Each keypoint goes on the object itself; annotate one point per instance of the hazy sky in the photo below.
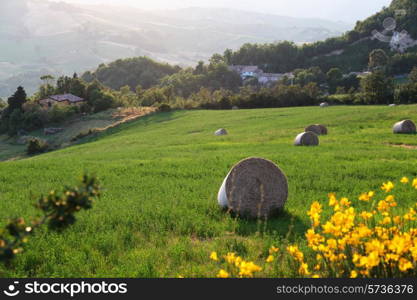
(343, 10)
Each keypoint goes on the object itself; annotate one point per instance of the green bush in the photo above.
(164, 107)
(36, 146)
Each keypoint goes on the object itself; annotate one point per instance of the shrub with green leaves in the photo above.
(36, 146)
(58, 213)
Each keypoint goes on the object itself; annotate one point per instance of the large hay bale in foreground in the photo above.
(307, 139)
(317, 129)
(406, 126)
(254, 188)
(221, 132)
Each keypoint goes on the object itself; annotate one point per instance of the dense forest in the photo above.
(132, 72)
(348, 52)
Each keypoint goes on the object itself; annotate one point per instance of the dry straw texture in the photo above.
(307, 139)
(254, 188)
(406, 126)
(220, 132)
(317, 129)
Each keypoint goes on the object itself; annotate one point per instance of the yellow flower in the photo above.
(273, 250)
(296, 253)
(238, 261)
(315, 276)
(383, 206)
(353, 274)
(332, 244)
(405, 180)
(414, 184)
(223, 274)
(375, 246)
(230, 257)
(366, 196)
(345, 202)
(411, 215)
(413, 251)
(387, 187)
(404, 265)
(270, 259)
(397, 220)
(332, 200)
(213, 256)
(303, 270)
(314, 213)
(386, 221)
(246, 269)
(366, 215)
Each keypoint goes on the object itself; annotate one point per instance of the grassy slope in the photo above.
(159, 217)
(11, 150)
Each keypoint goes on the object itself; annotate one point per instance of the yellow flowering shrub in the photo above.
(377, 242)
(237, 267)
(344, 241)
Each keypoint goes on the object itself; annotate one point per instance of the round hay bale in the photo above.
(324, 104)
(254, 188)
(317, 129)
(307, 139)
(235, 108)
(392, 105)
(406, 126)
(323, 128)
(221, 132)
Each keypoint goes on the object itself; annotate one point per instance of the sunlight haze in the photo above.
(338, 10)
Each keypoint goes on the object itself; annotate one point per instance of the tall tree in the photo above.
(17, 100)
(377, 59)
(413, 75)
(334, 78)
(378, 88)
(47, 79)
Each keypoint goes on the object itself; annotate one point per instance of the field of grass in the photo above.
(158, 216)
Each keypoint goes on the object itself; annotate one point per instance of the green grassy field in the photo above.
(158, 216)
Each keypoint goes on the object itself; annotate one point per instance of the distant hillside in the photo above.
(39, 37)
(393, 29)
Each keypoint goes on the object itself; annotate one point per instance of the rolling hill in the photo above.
(159, 217)
(42, 37)
(392, 29)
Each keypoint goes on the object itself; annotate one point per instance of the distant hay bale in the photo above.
(406, 126)
(307, 139)
(313, 128)
(235, 108)
(254, 188)
(324, 130)
(392, 105)
(317, 129)
(221, 132)
(324, 104)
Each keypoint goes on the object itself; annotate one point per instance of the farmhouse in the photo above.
(254, 71)
(65, 99)
(246, 71)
